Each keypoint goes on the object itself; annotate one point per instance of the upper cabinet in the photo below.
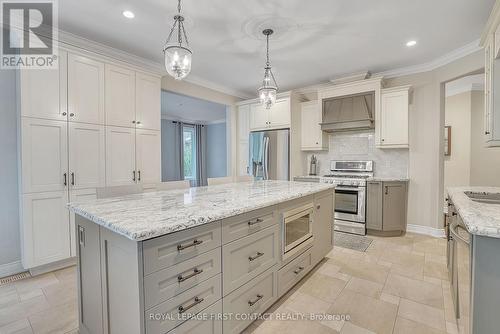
(312, 137)
(392, 123)
(85, 90)
(277, 117)
(120, 96)
(490, 40)
(147, 101)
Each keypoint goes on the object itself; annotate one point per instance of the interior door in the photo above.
(85, 90)
(45, 228)
(148, 156)
(120, 156)
(44, 155)
(44, 92)
(120, 96)
(87, 165)
(148, 101)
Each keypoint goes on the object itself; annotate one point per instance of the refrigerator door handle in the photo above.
(266, 158)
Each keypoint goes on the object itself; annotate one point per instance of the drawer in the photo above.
(294, 271)
(168, 315)
(240, 226)
(252, 298)
(205, 322)
(169, 282)
(247, 257)
(173, 248)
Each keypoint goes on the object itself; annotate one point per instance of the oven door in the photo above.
(297, 227)
(350, 203)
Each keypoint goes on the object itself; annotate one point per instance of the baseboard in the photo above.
(52, 266)
(12, 268)
(426, 230)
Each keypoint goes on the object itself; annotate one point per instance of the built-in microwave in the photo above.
(297, 227)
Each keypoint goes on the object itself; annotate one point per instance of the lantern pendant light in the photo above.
(178, 56)
(269, 88)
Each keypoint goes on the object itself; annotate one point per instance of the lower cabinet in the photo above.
(293, 272)
(206, 322)
(386, 206)
(322, 226)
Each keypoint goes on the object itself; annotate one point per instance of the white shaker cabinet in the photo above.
(148, 101)
(243, 139)
(392, 123)
(120, 96)
(86, 156)
(148, 161)
(277, 117)
(120, 156)
(85, 90)
(44, 92)
(45, 228)
(44, 156)
(312, 137)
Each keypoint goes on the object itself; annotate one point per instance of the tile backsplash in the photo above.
(360, 145)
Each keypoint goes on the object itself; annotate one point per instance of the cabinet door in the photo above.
(87, 166)
(148, 101)
(258, 117)
(77, 196)
(488, 97)
(311, 133)
(45, 228)
(279, 114)
(44, 92)
(120, 96)
(120, 156)
(44, 155)
(394, 208)
(243, 122)
(148, 144)
(85, 90)
(374, 204)
(243, 163)
(394, 119)
(322, 227)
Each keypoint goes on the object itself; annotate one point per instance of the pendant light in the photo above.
(269, 88)
(178, 56)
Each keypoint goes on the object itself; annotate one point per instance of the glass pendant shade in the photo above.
(268, 90)
(178, 61)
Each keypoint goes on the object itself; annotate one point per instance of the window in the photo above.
(189, 147)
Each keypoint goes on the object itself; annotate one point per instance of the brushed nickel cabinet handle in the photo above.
(256, 221)
(255, 257)
(194, 243)
(139, 176)
(253, 302)
(197, 300)
(386, 190)
(81, 235)
(195, 272)
(133, 175)
(65, 177)
(298, 270)
(72, 179)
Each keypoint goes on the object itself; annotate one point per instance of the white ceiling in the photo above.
(190, 109)
(314, 40)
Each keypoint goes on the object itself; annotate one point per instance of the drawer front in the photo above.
(205, 322)
(171, 313)
(170, 282)
(293, 272)
(246, 258)
(252, 298)
(240, 226)
(171, 249)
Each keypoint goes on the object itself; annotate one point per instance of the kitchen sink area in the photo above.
(484, 197)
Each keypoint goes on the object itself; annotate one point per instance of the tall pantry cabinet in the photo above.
(67, 119)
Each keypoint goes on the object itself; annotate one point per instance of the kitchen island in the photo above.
(201, 260)
(473, 230)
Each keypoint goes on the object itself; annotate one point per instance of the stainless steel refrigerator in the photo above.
(270, 154)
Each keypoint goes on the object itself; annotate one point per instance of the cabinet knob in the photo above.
(133, 122)
(317, 143)
(486, 132)
(386, 190)
(138, 122)
(64, 113)
(383, 139)
(71, 114)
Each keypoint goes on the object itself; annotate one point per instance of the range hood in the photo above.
(347, 113)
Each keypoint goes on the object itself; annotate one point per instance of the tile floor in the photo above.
(399, 285)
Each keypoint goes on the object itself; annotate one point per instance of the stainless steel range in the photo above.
(349, 178)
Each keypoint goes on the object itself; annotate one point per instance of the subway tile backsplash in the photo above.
(360, 145)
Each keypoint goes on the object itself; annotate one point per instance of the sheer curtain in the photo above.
(201, 155)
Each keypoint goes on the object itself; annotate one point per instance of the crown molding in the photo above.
(434, 64)
(214, 86)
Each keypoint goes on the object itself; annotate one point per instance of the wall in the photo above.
(9, 196)
(170, 167)
(457, 166)
(360, 145)
(216, 150)
(485, 165)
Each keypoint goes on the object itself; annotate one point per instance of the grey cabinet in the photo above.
(386, 206)
(322, 226)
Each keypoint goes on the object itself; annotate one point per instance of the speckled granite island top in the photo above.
(479, 218)
(148, 215)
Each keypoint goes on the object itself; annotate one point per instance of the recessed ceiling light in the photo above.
(411, 43)
(128, 14)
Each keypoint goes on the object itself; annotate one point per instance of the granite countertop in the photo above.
(479, 218)
(148, 215)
